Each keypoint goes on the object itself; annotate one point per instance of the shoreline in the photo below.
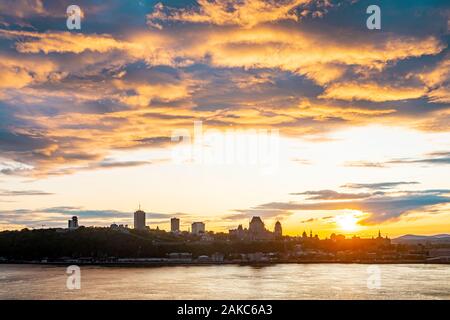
(197, 264)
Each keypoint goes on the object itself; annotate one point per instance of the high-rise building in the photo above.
(278, 231)
(175, 225)
(139, 220)
(198, 227)
(73, 223)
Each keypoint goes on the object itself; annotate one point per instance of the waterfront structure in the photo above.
(217, 257)
(73, 223)
(175, 225)
(198, 227)
(139, 220)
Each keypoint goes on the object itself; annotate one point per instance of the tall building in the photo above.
(256, 229)
(278, 231)
(139, 220)
(73, 223)
(198, 227)
(175, 225)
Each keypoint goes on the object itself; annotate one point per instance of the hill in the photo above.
(416, 239)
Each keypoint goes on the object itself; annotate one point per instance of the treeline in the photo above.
(105, 243)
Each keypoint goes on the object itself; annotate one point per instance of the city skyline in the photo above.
(255, 226)
(356, 120)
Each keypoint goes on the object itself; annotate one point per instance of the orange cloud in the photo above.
(63, 42)
(441, 94)
(322, 58)
(17, 73)
(145, 93)
(246, 13)
(371, 92)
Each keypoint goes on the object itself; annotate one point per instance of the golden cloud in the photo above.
(246, 13)
(371, 92)
(63, 42)
(17, 73)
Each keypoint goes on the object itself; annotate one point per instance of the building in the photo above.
(73, 223)
(119, 227)
(179, 257)
(278, 230)
(175, 225)
(239, 233)
(139, 220)
(217, 257)
(256, 226)
(382, 241)
(257, 230)
(198, 227)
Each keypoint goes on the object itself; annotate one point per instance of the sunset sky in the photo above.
(87, 116)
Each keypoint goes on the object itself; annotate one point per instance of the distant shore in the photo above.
(195, 263)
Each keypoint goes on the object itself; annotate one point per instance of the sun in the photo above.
(347, 222)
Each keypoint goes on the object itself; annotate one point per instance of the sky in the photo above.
(220, 110)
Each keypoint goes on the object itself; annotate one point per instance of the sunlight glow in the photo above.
(347, 222)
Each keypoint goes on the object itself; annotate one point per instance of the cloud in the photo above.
(63, 42)
(440, 95)
(17, 193)
(364, 164)
(378, 186)
(430, 159)
(19, 72)
(22, 8)
(435, 158)
(332, 195)
(246, 13)
(380, 208)
(371, 92)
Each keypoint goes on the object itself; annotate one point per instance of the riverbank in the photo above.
(196, 263)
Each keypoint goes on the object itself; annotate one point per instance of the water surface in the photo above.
(282, 281)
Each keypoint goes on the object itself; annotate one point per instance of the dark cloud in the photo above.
(381, 208)
(309, 220)
(378, 186)
(11, 193)
(431, 159)
(120, 164)
(332, 195)
(12, 141)
(104, 164)
(153, 141)
(435, 158)
(365, 164)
